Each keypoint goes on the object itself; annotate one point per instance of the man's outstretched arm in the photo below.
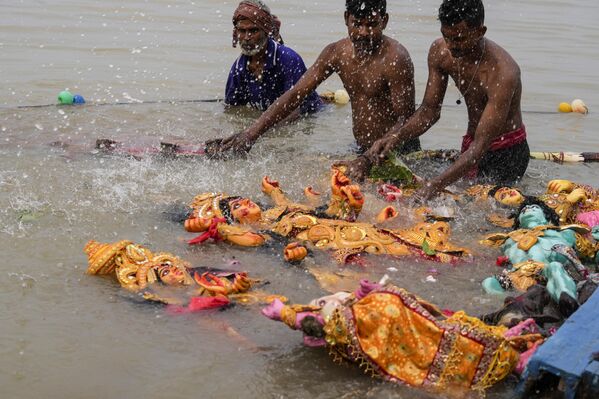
(284, 105)
(425, 116)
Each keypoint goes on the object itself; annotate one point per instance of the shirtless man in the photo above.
(376, 71)
(488, 79)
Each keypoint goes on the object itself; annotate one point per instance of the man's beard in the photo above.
(250, 50)
(364, 47)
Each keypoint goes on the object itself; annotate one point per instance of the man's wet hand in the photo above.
(239, 143)
(427, 192)
(379, 150)
(357, 169)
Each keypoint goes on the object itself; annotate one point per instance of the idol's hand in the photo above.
(339, 179)
(273, 311)
(559, 186)
(268, 185)
(354, 196)
(577, 196)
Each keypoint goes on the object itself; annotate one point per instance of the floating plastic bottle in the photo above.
(78, 99)
(67, 98)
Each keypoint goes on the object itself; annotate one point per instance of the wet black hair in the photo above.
(177, 212)
(365, 8)
(551, 216)
(223, 205)
(452, 12)
(312, 327)
(157, 274)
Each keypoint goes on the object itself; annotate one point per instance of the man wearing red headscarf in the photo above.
(266, 68)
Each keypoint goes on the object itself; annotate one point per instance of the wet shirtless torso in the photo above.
(381, 87)
(478, 83)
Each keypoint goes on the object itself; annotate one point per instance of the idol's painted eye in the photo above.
(322, 302)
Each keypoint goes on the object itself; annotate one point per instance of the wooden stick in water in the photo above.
(561, 157)
(558, 157)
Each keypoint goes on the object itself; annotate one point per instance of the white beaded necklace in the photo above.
(459, 100)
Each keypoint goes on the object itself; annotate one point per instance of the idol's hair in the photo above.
(223, 204)
(365, 8)
(452, 12)
(551, 216)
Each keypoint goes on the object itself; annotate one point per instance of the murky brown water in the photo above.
(67, 335)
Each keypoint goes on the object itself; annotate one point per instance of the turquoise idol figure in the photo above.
(529, 250)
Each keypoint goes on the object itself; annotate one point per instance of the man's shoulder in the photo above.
(340, 46)
(438, 48)
(438, 54)
(503, 57)
(394, 46)
(395, 51)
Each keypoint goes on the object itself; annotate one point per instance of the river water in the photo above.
(64, 334)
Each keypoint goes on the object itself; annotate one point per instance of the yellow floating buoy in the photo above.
(564, 107)
(579, 106)
(341, 97)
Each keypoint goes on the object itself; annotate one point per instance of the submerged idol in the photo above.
(333, 227)
(164, 277)
(397, 336)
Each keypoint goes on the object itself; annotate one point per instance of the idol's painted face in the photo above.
(366, 34)
(329, 303)
(595, 233)
(509, 196)
(245, 211)
(170, 275)
(532, 214)
(251, 38)
(462, 40)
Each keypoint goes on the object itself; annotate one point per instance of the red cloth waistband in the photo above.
(507, 140)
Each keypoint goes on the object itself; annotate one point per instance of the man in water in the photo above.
(488, 79)
(376, 71)
(266, 68)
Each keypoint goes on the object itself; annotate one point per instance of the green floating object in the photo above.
(27, 216)
(394, 170)
(65, 97)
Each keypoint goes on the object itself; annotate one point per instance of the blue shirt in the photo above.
(284, 67)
